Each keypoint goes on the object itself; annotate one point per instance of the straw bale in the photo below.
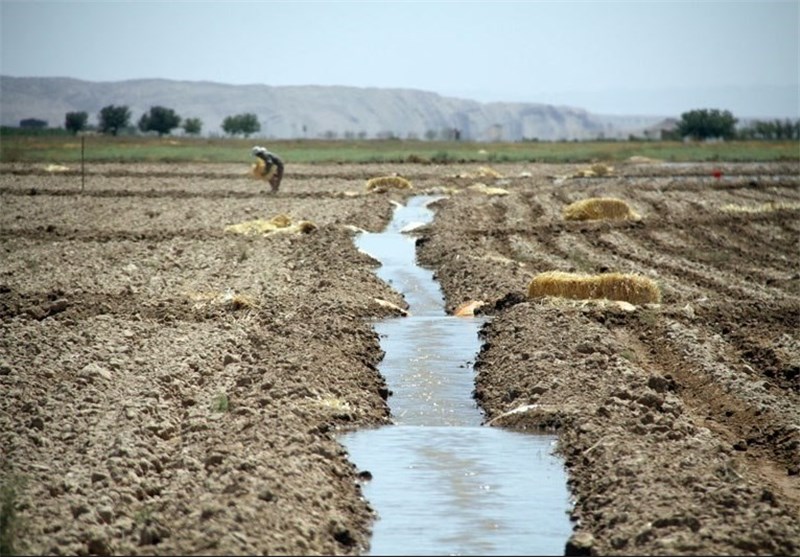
(259, 170)
(480, 172)
(487, 190)
(487, 172)
(258, 226)
(278, 223)
(638, 159)
(381, 184)
(281, 220)
(634, 289)
(598, 169)
(601, 169)
(56, 168)
(600, 208)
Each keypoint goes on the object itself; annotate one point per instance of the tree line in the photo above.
(159, 119)
(700, 124)
(720, 124)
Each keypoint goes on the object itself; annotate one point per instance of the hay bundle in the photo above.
(598, 169)
(56, 168)
(601, 169)
(278, 223)
(487, 172)
(480, 172)
(259, 170)
(384, 183)
(634, 289)
(487, 190)
(638, 159)
(600, 208)
(281, 221)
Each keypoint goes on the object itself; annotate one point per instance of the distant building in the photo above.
(665, 129)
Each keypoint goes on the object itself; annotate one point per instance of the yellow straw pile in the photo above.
(600, 208)
(383, 183)
(278, 223)
(634, 289)
(259, 170)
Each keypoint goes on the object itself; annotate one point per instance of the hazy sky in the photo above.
(634, 57)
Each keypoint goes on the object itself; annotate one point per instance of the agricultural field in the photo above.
(68, 149)
(174, 385)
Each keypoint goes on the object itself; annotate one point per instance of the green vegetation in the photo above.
(771, 129)
(32, 124)
(114, 118)
(66, 149)
(245, 124)
(144, 515)
(76, 121)
(705, 123)
(159, 119)
(192, 126)
(221, 403)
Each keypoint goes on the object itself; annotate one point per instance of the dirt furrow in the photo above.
(170, 388)
(692, 399)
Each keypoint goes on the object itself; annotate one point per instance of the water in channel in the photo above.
(442, 483)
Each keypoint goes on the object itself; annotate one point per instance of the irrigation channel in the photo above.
(443, 484)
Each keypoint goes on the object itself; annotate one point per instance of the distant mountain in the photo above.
(311, 111)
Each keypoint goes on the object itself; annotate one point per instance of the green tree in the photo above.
(76, 121)
(785, 129)
(707, 123)
(33, 124)
(159, 119)
(773, 129)
(113, 118)
(192, 126)
(245, 124)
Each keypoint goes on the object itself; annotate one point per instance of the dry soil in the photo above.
(170, 386)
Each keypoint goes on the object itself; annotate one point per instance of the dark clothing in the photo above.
(270, 160)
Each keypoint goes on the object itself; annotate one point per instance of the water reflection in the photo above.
(442, 484)
(462, 491)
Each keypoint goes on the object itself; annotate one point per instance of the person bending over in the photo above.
(272, 169)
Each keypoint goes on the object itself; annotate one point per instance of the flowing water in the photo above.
(442, 483)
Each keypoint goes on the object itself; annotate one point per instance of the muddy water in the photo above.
(443, 484)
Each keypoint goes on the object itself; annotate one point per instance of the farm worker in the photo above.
(269, 167)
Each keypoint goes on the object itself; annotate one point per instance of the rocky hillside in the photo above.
(311, 111)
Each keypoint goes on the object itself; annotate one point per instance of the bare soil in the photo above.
(173, 388)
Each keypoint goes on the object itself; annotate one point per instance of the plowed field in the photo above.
(171, 386)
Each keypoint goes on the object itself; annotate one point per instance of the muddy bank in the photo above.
(171, 387)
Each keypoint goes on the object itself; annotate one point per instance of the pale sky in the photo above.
(640, 57)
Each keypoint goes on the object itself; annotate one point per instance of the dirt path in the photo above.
(171, 387)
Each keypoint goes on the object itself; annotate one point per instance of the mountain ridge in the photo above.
(297, 111)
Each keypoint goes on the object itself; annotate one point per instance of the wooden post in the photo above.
(83, 162)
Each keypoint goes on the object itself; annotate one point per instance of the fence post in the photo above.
(83, 162)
